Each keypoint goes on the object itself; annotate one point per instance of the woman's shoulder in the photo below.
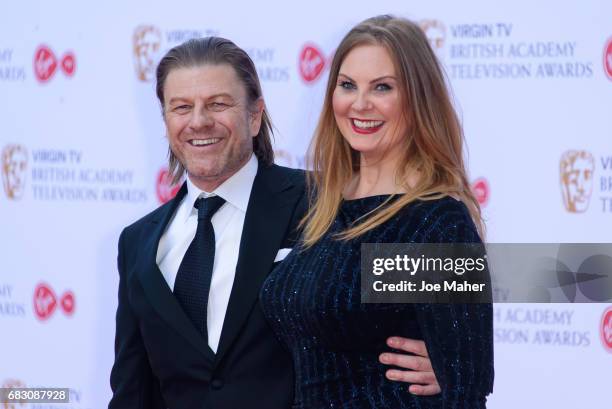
(440, 220)
(445, 205)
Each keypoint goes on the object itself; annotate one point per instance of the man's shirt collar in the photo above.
(236, 190)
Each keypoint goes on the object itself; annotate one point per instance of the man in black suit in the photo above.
(190, 332)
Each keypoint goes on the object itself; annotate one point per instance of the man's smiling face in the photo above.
(209, 122)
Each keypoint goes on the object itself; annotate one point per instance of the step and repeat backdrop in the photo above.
(83, 153)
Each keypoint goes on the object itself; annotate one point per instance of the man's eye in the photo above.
(346, 85)
(218, 106)
(383, 87)
(181, 108)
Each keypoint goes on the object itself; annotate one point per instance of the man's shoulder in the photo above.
(296, 176)
(149, 218)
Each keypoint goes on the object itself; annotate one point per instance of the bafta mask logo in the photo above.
(147, 43)
(435, 31)
(576, 171)
(11, 384)
(14, 170)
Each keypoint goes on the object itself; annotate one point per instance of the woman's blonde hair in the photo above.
(434, 137)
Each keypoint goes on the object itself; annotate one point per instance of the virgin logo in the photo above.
(46, 63)
(481, 190)
(45, 302)
(165, 189)
(311, 63)
(606, 329)
(608, 58)
(69, 63)
(67, 303)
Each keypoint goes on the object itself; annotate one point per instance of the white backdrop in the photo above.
(83, 149)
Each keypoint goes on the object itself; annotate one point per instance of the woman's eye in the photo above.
(383, 87)
(346, 85)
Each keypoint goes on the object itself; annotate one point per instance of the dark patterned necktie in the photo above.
(192, 283)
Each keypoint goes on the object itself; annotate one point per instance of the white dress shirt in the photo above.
(227, 223)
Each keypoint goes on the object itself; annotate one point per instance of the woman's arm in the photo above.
(458, 337)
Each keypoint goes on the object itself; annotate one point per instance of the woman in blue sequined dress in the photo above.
(388, 168)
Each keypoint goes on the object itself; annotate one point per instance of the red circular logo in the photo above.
(311, 63)
(606, 329)
(44, 301)
(45, 63)
(481, 190)
(165, 189)
(67, 302)
(69, 63)
(607, 58)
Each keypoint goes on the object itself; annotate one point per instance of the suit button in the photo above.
(216, 384)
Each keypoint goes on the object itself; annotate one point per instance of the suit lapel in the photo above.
(155, 286)
(266, 222)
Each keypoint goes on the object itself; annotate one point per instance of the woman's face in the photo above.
(367, 104)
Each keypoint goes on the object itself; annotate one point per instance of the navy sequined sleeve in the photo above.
(313, 303)
(459, 337)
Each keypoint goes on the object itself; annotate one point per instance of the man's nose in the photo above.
(201, 119)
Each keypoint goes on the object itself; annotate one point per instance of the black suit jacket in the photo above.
(161, 360)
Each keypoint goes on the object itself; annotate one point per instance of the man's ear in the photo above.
(256, 114)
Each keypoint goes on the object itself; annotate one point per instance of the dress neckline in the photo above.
(370, 198)
(355, 208)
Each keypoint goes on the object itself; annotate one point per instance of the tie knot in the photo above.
(208, 206)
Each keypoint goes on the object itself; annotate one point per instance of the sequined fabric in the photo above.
(312, 301)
